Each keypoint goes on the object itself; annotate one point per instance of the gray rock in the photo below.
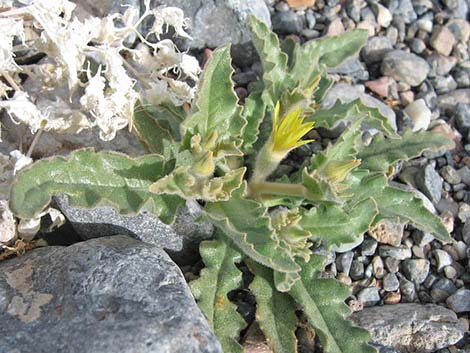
(442, 289)
(462, 76)
(419, 113)
(287, 22)
(459, 302)
(102, 8)
(378, 267)
(112, 294)
(464, 212)
(416, 270)
(444, 84)
(462, 118)
(464, 173)
(418, 45)
(442, 40)
(357, 270)
(215, 23)
(392, 264)
(405, 67)
(181, 239)
(368, 246)
(422, 238)
(398, 252)
(430, 183)
(443, 259)
(448, 102)
(459, 8)
(375, 49)
(347, 93)
(353, 68)
(411, 327)
(369, 296)
(390, 282)
(344, 261)
(450, 175)
(402, 9)
(408, 290)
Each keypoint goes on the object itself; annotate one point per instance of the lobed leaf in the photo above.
(381, 152)
(275, 311)
(323, 303)
(247, 224)
(154, 125)
(273, 59)
(395, 203)
(219, 277)
(91, 178)
(335, 227)
(253, 112)
(215, 107)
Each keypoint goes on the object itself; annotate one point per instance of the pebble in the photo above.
(368, 246)
(442, 289)
(383, 15)
(464, 212)
(422, 238)
(387, 232)
(397, 252)
(462, 118)
(392, 298)
(464, 173)
(459, 302)
(450, 175)
(392, 264)
(357, 270)
(462, 76)
(430, 280)
(442, 40)
(429, 182)
(461, 249)
(460, 29)
(335, 28)
(406, 67)
(369, 296)
(443, 259)
(407, 97)
(444, 85)
(344, 262)
(418, 45)
(403, 9)
(408, 290)
(425, 25)
(390, 282)
(287, 22)
(375, 49)
(450, 272)
(420, 114)
(416, 270)
(378, 267)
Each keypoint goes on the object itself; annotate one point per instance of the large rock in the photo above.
(105, 295)
(181, 239)
(215, 23)
(411, 327)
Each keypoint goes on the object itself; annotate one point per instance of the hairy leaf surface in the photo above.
(91, 178)
(275, 311)
(323, 304)
(219, 277)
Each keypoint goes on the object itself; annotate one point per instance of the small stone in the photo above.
(383, 15)
(443, 259)
(368, 271)
(441, 65)
(450, 272)
(442, 40)
(449, 101)
(387, 232)
(418, 251)
(425, 25)
(344, 278)
(406, 67)
(459, 302)
(375, 49)
(368, 26)
(460, 29)
(287, 22)
(429, 281)
(399, 253)
(411, 327)
(418, 45)
(369, 296)
(368, 246)
(300, 3)
(404, 10)
(462, 76)
(390, 282)
(462, 118)
(355, 305)
(408, 290)
(422, 238)
(430, 183)
(392, 264)
(442, 289)
(357, 270)
(384, 86)
(407, 97)
(378, 267)
(464, 173)
(344, 262)
(444, 85)
(416, 270)
(461, 249)
(420, 114)
(392, 298)
(464, 212)
(335, 28)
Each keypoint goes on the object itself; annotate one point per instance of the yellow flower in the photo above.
(288, 131)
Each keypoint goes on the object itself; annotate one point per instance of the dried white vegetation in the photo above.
(90, 74)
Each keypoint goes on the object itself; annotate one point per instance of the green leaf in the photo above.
(273, 59)
(180, 182)
(216, 108)
(323, 304)
(328, 51)
(247, 224)
(154, 125)
(381, 152)
(351, 112)
(219, 277)
(335, 227)
(395, 203)
(275, 311)
(91, 178)
(253, 112)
